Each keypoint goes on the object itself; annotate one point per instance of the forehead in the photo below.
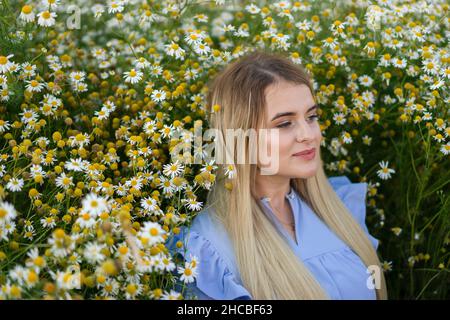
(287, 97)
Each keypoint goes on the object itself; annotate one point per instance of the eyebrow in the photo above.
(282, 114)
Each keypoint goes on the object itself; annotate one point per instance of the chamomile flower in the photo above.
(52, 4)
(115, 6)
(4, 126)
(149, 204)
(173, 169)
(201, 48)
(48, 222)
(150, 234)
(95, 204)
(365, 80)
(174, 50)
(46, 18)
(387, 265)
(141, 63)
(27, 14)
(7, 213)
(77, 76)
(76, 165)
(188, 273)
(385, 172)
(158, 95)
(230, 171)
(194, 37)
(34, 85)
(173, 294)
(15, 184)
(64, 181)
(133, 76)
(5, 64)
(193, 204)
(93, 252)
(339, 118)
(134, 182)
(80, 140)
(399, 63)
(445, 148)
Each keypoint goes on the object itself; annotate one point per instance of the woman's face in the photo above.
(292, 113)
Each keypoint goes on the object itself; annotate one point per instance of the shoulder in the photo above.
(353, 195)
(217, 276)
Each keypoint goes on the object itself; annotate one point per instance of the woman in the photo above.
(295, 234)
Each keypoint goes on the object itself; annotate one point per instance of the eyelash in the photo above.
(284, 125)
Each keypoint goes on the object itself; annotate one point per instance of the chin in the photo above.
(305, 172)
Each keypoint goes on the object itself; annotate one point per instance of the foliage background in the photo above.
(115, 90)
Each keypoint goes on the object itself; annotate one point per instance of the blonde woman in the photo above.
(294, 234)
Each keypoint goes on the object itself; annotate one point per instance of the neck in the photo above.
(275, 188)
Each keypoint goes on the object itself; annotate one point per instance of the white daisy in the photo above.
(92, 252)
(158, 95)
(5, 64)
(115, 6)
(173, 169)
(135, 182)
(445, 148)
(339, 118)
(167, 185)
(385, 172)
(76, 165)
(133, 76)
(46, 18)
(150, 234)
(64, 181)
(4, 126)
(77, 76)
(201, 48)
(173, 49)
(149, 204)
(48, 222)
(7, 213)
(194, 37)
(15, 184)
(188, 273)
(34, 85)
(95, 204)
(193, 204)
(79, 140)
(141, 63)
(230, 171)
(172, 294)
(27, 14)
(52, 4)
(86, 220)
(365, 80)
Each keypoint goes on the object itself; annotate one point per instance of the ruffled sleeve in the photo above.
(214, 278)
(354, 197)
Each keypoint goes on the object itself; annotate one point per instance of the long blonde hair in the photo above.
(268, 267)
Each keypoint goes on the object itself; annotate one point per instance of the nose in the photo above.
(304, 132)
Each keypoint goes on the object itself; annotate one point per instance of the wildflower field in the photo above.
(94, 96)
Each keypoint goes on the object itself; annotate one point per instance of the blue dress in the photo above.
(335, 266)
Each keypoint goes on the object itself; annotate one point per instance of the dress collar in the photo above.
(289, 195)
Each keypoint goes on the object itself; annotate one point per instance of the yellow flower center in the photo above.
(26, 9)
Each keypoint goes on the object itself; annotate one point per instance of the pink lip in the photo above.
(307, 154)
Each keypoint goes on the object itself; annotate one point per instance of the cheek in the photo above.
(318, 133)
